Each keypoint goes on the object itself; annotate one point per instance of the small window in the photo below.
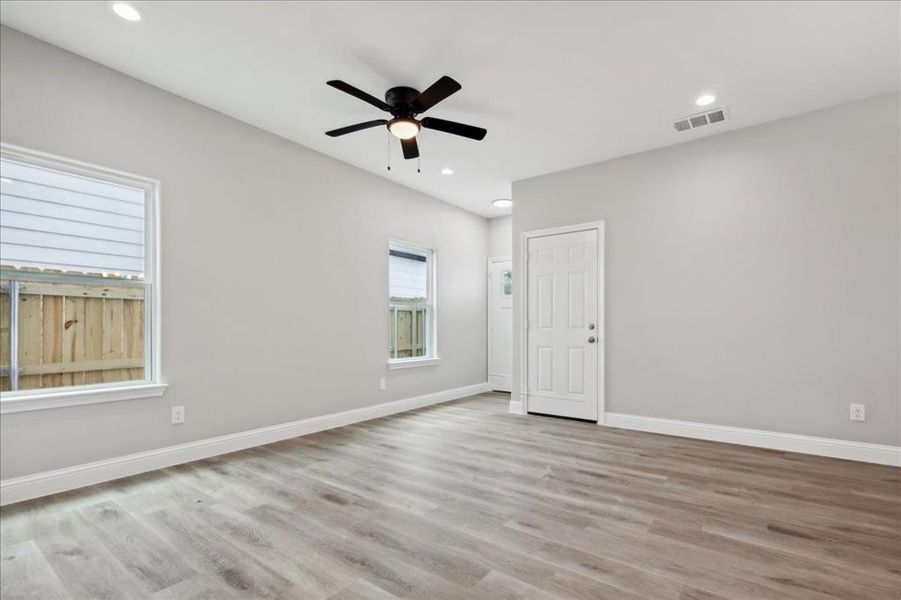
(76, 275)
(507, 283)
(411, 306)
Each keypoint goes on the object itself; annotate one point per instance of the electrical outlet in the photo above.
(178, 415)
(383, 385)
(858, 412)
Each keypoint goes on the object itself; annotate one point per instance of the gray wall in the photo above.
(500, 236)
(753, 276)
(274, 266)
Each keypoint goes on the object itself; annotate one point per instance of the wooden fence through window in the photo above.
(406, 331)
(73, 334)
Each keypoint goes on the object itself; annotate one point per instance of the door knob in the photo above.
(591, 326)
(591, 340)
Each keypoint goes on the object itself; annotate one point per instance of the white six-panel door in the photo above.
(562, 325)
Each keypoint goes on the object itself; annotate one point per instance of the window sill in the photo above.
(409, 363)
(42, 400)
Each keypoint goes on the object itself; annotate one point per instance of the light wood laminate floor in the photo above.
(464, 500)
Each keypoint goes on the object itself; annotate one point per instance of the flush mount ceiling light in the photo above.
(447, 171)
(127, 11)
(705, 99)
(502, 203)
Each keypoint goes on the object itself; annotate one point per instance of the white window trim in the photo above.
(30, 400)
(152, 385)
(432, 358)
(409, 363)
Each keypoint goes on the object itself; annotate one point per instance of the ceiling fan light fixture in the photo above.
(405, 103)
(403, 128)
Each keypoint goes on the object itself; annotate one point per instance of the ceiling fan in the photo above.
(404, 104)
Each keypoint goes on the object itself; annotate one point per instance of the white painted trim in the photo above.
(36, 485)
(516, 407)
(774, 440)
(63, 397)
(409, 363)
(491, 378)
(525, 236)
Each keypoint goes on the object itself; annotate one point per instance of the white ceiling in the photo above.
(556, 84)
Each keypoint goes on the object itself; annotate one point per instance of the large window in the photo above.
(77, 276)
(411, 308)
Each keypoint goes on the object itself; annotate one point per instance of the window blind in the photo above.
(55, 220)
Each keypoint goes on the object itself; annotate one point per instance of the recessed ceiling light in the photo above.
(127, 11)
(447, 171)
(705, 99)
(502, 203)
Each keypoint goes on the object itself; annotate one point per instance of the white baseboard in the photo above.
(518, 404)
(499, 382)
(805, 444)
(26, 487)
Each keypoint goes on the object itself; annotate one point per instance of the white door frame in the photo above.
(524, 312)
(495, 259)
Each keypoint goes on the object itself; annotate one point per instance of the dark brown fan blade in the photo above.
(410, 147)
(437, 92)
(349, 89)
(357, 127)
(467, 131)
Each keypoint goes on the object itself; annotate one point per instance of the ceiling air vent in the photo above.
(694, 121)
(716, 116)
(698, 121)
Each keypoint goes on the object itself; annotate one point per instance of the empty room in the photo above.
(450, 300)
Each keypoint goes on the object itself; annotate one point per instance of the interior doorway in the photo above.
(500, 323)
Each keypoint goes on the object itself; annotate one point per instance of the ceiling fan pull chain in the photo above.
(388, 150)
